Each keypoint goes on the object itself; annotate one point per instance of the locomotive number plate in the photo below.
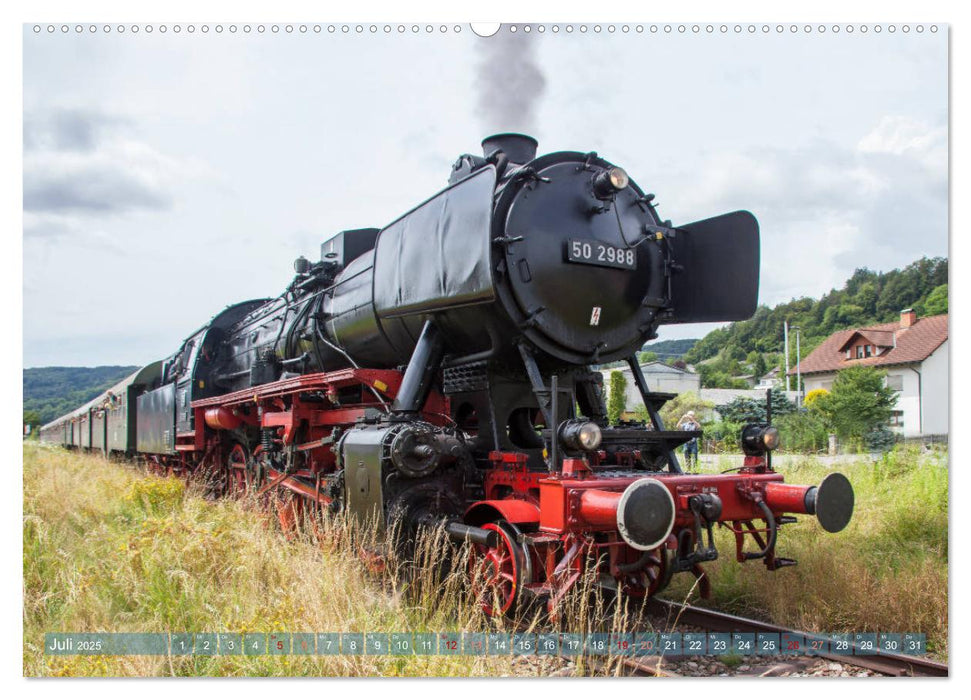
(593, 252)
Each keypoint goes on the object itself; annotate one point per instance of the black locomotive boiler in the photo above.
(442, 369)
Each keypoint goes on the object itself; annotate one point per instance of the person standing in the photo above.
(690, 423)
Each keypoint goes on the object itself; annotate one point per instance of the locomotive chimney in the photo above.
(518, 148)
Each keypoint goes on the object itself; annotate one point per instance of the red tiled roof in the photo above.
(883, 339)
(914, 344)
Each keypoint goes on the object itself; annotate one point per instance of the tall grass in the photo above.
(108, 548)
(887, 571)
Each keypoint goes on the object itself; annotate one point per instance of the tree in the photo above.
(31, 418)
(866, 298)
(734, 352)
(672, 411)
(936, 302)
(714, 378)
(647, 356)
(758, 366)
(617, 399)
(747, 410)
(859, 402)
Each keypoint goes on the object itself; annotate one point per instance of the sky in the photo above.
(169, 175)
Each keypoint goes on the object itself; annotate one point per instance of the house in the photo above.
(770, 379)
(749, 379)
(660, 377)
(913, 351)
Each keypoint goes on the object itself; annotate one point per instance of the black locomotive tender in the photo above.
(443, 367)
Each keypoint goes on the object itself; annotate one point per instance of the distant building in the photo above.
(915, 354)
(770, 379)
(749, 379)
(660, 377)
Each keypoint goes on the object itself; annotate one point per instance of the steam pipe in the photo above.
(773, 532)
(424, 364)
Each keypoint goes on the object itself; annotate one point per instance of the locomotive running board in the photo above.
(386, 382)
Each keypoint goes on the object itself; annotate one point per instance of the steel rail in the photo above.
(885, 663)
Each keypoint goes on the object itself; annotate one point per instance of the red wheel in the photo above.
(496, 572)
(236, 464)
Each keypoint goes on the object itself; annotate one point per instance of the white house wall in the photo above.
(908, 400)
(673, 382)
(935, 387)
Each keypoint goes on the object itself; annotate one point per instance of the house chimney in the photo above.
(908, 317)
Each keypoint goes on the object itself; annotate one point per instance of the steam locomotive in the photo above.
(440, 371)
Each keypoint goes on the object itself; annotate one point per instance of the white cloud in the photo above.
(81, 167)
(86, 163)
(899, 135)
(825, 209)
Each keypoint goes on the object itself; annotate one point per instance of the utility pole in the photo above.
(785, 333)
(798, 369)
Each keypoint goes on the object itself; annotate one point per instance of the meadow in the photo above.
(108, 547)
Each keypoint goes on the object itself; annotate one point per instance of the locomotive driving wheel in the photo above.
(496, 572)
(237, 464)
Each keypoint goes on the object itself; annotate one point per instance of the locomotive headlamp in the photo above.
(581, 435)
(618, 178)
(609, 182)
(759, 439)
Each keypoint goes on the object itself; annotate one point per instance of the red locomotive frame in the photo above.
(544, 529)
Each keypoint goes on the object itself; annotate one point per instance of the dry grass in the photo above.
(108, 548)
(886, 572)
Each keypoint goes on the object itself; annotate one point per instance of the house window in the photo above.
(895, 382)
(897, 419)
(859, 351)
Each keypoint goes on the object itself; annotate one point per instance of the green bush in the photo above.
(803, 431)
(880, 439)
(617, 400)
(672, 411)
(723, 436)
(858, 404)
(746, 410)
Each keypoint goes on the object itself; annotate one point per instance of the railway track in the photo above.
(712, 620)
